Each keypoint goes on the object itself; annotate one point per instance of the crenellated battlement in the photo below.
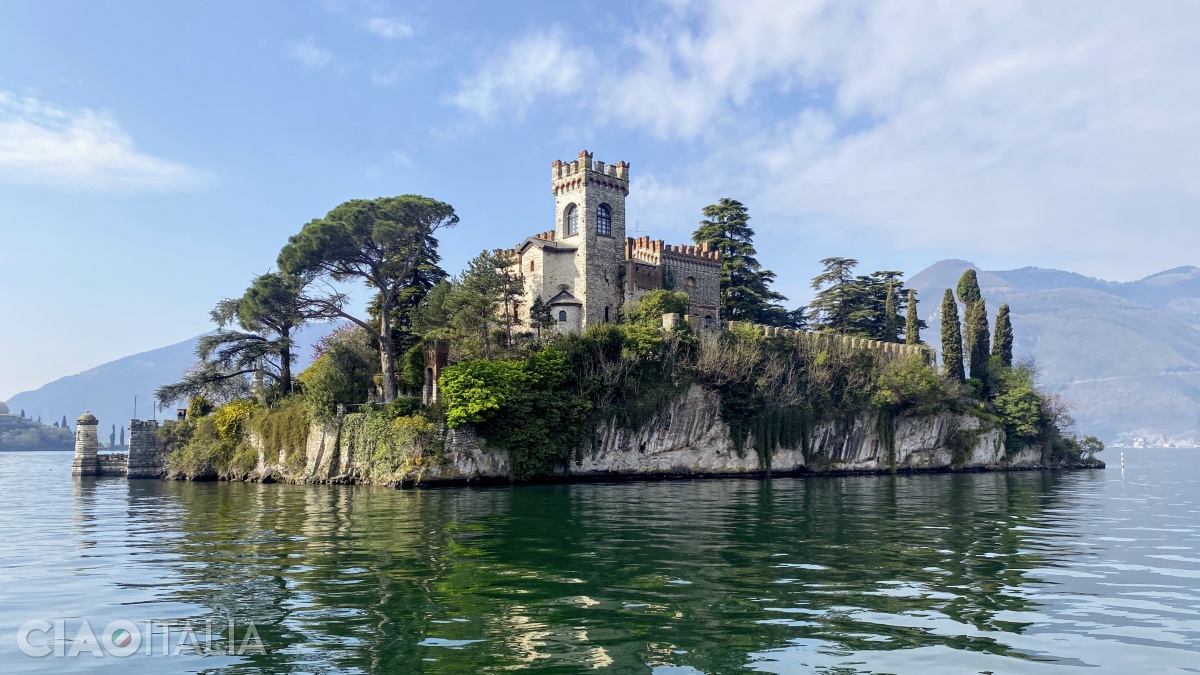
(585, 171)
(885, 348)
(654, 250)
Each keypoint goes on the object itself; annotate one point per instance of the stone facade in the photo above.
(585, 269)
(87, 442)
(144, 460)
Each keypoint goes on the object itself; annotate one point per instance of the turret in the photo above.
(87, 442)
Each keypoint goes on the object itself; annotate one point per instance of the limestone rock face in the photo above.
(689, 438)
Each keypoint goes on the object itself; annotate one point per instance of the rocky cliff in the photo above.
(688, 438)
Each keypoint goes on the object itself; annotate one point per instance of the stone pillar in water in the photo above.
(87, 441)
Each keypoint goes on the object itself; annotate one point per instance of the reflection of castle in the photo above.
(585, 268)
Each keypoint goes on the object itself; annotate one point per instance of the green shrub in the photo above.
(198, 407)
(391, 449)
(230, 419)
(525, 406)
(283, 431)
(476, 390)
(344, 373)
(208, 454)
(908, 386)
(414, 367)
(650, 308)
(1021, 407)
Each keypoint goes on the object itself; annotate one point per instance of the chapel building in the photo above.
(585, 269)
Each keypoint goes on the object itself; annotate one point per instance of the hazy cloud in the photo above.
(389, 28)
(308, 54)
(41, 144)
(539, 64)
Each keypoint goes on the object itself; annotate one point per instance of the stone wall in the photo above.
(887, 348)
(146, 458)
(689, 438)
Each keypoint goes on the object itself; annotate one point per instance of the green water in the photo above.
(1031, 572)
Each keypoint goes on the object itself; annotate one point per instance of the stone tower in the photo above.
(87, 441)
(589, 204)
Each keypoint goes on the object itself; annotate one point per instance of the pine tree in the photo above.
(835, 300)
(1002, 343)
(891, 320)
(540, 316)
(978, 346)
(746, 293)
(968, 288)
(22, 413)
(952, 345)
(912, 322)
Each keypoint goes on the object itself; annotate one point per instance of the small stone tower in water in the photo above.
(87, 442)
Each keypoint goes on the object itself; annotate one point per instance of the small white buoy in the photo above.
(1122, 461)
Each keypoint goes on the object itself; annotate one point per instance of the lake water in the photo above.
(1029, 572)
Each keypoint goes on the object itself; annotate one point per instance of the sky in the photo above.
(154, 156)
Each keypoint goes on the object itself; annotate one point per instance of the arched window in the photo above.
(562, 316)
(603, 220)
(689, 282)
(572, 219)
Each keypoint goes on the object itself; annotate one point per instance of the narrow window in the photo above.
(562, 316)
(572, 218)
(605, 315)
(603, 220)
(530, 265)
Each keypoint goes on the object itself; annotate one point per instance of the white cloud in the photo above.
(389, 28)
(389, 77)
(309, 55)
(1023, 129)
(542, 63)
(41, 144)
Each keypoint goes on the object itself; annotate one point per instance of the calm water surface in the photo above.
(1035, 572)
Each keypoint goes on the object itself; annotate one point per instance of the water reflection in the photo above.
(1017, 572)
(701, 574)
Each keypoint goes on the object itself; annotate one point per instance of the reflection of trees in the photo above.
(355, 578)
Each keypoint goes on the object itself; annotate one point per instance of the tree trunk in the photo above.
(386, 357)
(285, 364)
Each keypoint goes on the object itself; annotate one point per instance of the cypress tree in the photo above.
(968, 288)
(1002, 343)
(912, 323)
(977, 339)
(952, 346)
(891, 324)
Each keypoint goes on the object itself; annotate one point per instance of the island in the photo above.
(582, 353)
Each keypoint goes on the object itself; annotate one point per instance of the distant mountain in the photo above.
(1126, 354)
(108, 389)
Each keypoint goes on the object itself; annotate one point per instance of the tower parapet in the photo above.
(587, 171)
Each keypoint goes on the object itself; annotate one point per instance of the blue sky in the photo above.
(154, 156)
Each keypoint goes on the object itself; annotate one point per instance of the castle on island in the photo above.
(585, 269)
